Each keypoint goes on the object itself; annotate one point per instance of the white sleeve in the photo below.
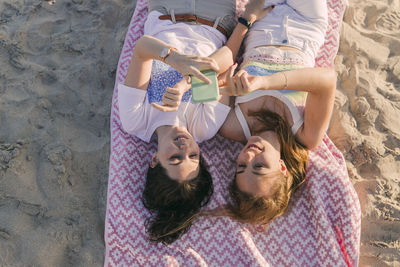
(137, 115)
(133, 107)
(206, 120)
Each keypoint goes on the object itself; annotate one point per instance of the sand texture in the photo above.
(57, 71)
(366, 123)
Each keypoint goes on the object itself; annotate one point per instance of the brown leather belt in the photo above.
(193, 18)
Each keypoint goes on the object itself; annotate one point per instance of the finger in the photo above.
(240, 72)
(245, 82)
(267, 10)
(170, 102)
(173, 90)
(173, 97)
(239, 87)
(233, 67)
(221, 82)
(206, 63)
(186, 79)
(222, 78)
(230, 80)
(213, 64)
(201, 76)
(230, 83)
(164, 108)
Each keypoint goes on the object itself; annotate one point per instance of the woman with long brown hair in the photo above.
(282, 109)
(272, 164)
(178, 184)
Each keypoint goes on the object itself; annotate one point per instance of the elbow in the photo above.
(140, 44)
(330, 76)
(224, 58)
(329, 80)
(312, 142)
(311, 138)
(143, 39)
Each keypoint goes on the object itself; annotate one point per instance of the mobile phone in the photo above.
(204, 92)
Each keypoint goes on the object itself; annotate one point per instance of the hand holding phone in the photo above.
(172, 96)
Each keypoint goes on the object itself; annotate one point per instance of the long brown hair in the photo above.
(261, 210)
(173, 204)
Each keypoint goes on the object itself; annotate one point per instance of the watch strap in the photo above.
(170, 49)
(245, 22)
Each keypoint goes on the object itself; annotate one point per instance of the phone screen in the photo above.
(204, 92)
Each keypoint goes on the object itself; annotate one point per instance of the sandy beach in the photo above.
(57, 72)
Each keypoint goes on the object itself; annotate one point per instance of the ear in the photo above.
(283, 168)
(154, 160)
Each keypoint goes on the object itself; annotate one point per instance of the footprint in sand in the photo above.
(41, 35)
(7, 154)
(389, 93)
(389, 23)
(15, 53)
(4, 234)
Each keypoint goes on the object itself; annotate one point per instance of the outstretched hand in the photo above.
(255, 10)
(192, 65)
(173, 96)
(239, 84)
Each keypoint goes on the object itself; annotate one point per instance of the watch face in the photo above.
(164, 52)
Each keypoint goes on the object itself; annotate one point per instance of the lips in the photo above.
(253, 146)
(180, 137)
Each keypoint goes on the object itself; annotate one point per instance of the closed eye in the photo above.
(193, 156)
(242, 167)
(175, 159)
(258, 166)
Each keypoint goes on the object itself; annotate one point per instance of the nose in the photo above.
(181, 146)
(181, 143)
(246, 156)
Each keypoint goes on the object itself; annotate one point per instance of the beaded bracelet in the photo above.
(286, 83)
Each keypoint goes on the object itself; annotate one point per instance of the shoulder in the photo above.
(203, 120)
(232, 129)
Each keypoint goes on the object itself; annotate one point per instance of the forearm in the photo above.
(320, 83)
(312, 80)
(146, 49)
(226, 55)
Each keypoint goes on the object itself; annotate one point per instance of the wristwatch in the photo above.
(245, 22)
(165, 52)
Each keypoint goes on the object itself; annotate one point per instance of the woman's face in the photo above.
(259, 165)
(178, 153)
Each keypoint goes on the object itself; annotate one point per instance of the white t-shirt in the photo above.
(190, 39)
(202, 120)
(139, 118)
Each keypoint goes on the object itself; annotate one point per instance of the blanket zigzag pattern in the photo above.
(321, 228)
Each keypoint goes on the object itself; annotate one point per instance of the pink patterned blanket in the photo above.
(321, 228)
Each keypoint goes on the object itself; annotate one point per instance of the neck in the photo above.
(160, 131)
(272, 138)
(267, 134)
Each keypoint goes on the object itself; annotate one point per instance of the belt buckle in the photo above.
(189, 18)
